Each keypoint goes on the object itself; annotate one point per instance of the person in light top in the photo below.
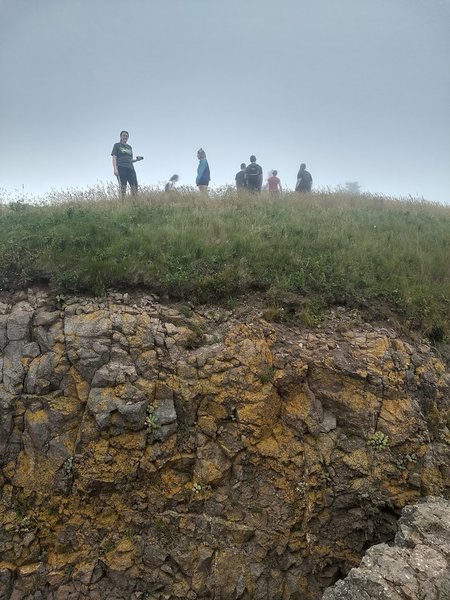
(274, 183)
(203, 174)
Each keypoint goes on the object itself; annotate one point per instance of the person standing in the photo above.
(254, 175)
(170, 185)
(203, 173)
(304, 180)
(122, 159)
(241, 182)
(274, 183)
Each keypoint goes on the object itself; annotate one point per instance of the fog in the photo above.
(359, 90)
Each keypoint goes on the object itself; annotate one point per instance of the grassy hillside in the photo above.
(325, 248)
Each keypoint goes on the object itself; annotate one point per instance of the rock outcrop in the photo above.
(418, 566)
(157, 451)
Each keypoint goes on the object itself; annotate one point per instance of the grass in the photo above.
(330, 248)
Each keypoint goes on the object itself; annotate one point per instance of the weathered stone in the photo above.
(147, 365)
(3, 337)
(48, 330)
(13, 369)
(6, 582)
(19, 321)
(123, 406)
(31, 350)
(114, 374)
(212, 464)
(40, 374)
(164, 405)
(153, 555)
(417, 567)
(6, 425)
(88, 340)
(45, 319)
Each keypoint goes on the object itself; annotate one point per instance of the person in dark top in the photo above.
(304, 180)
(254, 175)
(122, 159)
(240, 179)
(203, 174)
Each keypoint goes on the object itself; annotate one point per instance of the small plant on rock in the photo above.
(60, 299)
(197, 488)
(186, 311)
(411, 458)
(378, 440)
(151, 420)
(25, 525)
(300, 488)
(194, 339)
(402, 462)
(69, 465)
(266, 374)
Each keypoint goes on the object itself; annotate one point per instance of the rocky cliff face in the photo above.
(154, 451)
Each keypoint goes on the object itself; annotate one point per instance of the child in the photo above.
(170, 185)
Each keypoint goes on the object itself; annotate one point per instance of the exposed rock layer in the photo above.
(153, 451)
(417, 567)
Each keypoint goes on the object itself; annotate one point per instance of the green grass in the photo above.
(329, 248)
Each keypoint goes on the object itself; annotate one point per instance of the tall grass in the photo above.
(327, 247)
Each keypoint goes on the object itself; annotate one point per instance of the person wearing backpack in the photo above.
(254, 175)
(304, 180)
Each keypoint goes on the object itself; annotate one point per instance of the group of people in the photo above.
(249, 177)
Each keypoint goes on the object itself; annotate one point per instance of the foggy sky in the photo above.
(357, 89)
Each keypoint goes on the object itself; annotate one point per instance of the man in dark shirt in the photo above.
(254, 175)
(240, 178)
(122, 158)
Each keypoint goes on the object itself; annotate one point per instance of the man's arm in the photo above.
(115, 169)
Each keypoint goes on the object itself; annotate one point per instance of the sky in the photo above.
(359, 90)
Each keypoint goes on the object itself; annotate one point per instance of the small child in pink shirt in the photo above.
(274, 183)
